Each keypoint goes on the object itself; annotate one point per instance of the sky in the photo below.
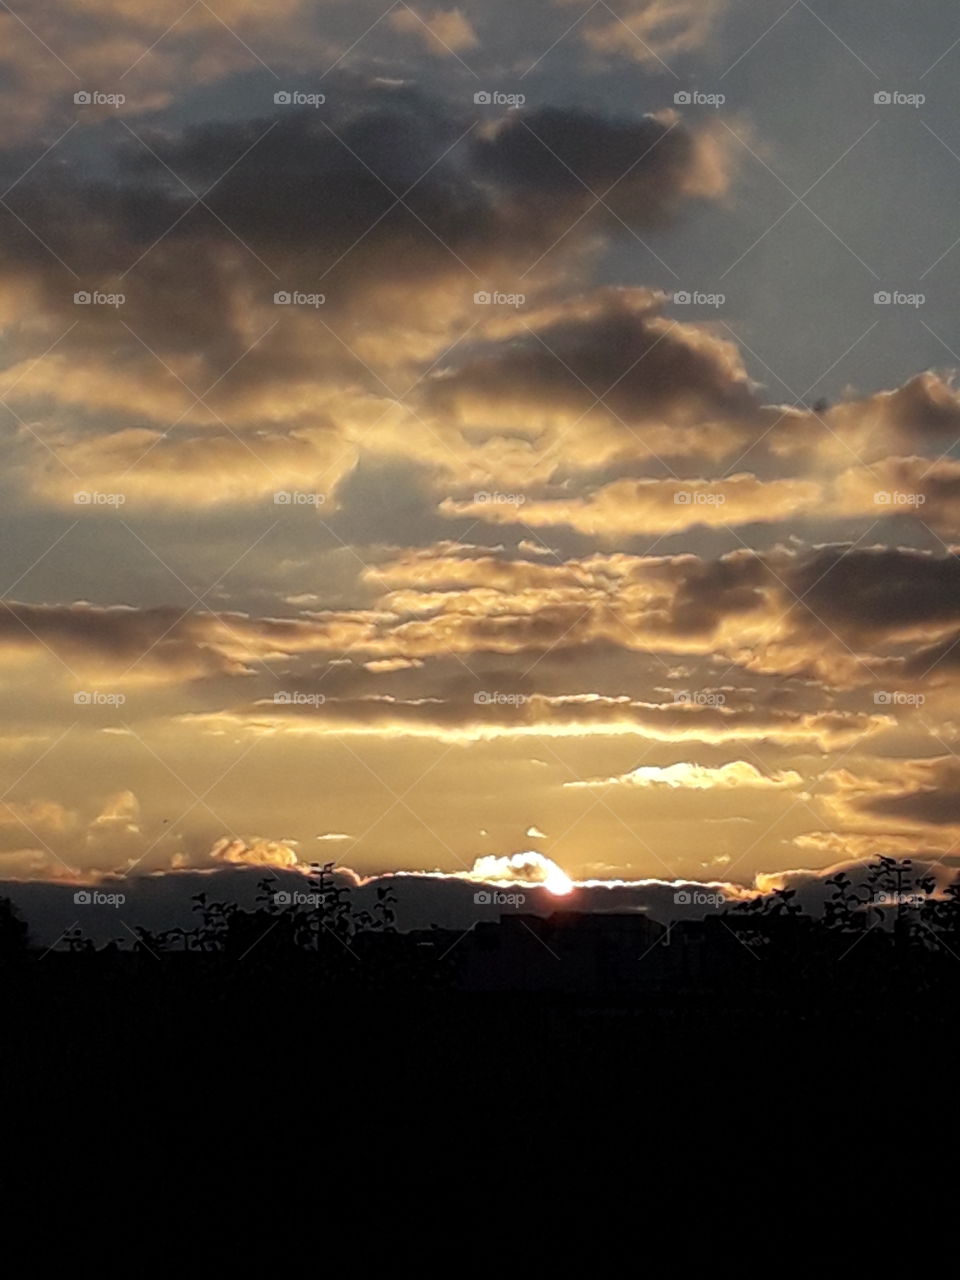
(479, 440)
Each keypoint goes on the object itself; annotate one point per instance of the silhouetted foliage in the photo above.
(317, 928)
(887, 924)
(14, 934)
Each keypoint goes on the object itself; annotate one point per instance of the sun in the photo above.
(557, 881)
(530, 868)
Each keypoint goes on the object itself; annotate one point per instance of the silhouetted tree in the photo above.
(845, 909)
(899, 884)
(14, 934)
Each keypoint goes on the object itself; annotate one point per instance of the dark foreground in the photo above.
(193, 1022)
(313, 1015)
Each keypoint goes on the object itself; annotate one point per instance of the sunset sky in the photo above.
(437, 434)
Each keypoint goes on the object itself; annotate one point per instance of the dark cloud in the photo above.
(613, 356)
(878, 591)
(814, 611)
(423, 900)
(933, 798)
(382, 199)
(554, 158)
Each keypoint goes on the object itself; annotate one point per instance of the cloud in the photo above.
(921, 415)
(120, 811)
(612, 377)
(529, 869)
(657, 506)
(423, 898)
(696, 777)
(262, 853)
(218, 468)
(381, 623)
(918, 793)
(308, 200)
(199, 385)
(837, 614)
(45, 838)
(163, 48)
(574, 717)
(48, 816)
(894, 487)
(443, 31)
(652, 31)
(526, 547)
